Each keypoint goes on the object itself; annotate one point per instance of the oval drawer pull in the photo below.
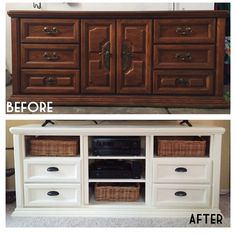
(180, 194)
(181, 169)
(53, 193)
(52, 169)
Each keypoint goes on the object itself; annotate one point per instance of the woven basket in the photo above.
(112, 192)
(181, 147)
(54, 146)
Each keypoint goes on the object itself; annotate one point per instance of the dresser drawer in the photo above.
(179, 196)
(52, 170)
(49, 56)
(49, 30)
(184, 56)
(183, 82)
(184, 31)
(51, 195)
(182, 170)
(50, 81)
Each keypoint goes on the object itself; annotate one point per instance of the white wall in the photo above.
(96, 7)
(194, 6)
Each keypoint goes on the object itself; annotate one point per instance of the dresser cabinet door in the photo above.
(98, 56)
(133, 56)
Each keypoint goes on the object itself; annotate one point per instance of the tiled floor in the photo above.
(126, 110)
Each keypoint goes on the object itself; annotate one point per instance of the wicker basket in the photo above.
(54, 146)
(181, 146)
(116, 192)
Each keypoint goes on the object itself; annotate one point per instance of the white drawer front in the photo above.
(52, 170)
(182, 171)
(50, 195)
(178, 196)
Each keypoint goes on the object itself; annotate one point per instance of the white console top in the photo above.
(36, 129)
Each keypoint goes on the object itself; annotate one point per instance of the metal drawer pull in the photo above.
(50, 56)
(53, 193)
(49, 81)
(183, 56)
(181, 82)
(180, 194)
(184, 30)
(52, 169)
(181, 169)
(48, 30)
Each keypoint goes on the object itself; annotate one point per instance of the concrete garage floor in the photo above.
(125, 110)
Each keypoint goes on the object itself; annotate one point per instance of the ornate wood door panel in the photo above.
(98, 56)
(134, 56)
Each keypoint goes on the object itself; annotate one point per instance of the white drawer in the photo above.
(51, 195)
(181, 195)
(181, 170)
(51, 170)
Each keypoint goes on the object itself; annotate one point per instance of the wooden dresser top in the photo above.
(119, 14)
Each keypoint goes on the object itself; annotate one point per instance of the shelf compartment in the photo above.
(116, 169)
(52, 146)
(181, 146)
(117, 146)
(116, 193)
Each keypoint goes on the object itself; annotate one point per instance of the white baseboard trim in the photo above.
(224, 191)
(10, 190)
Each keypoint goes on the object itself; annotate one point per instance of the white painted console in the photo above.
(160, 181)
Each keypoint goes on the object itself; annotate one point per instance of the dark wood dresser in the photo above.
(166, 58)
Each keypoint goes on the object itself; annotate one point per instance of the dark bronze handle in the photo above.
(181, 169)
(48, 30)
(52, 169)
(107, 59)
(105, 54)
(50, 56)
(184, 30)
(181, 82)
(49, 80)
(183, 56)
(53, 193)
(180, 194)
(126, 55)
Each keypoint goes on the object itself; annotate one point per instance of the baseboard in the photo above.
(224, 191)
(10, 190)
